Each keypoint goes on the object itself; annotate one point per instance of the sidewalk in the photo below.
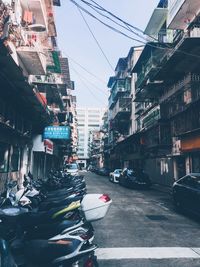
(162, 188)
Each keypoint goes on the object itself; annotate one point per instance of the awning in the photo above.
(156, 21)
(190, 142)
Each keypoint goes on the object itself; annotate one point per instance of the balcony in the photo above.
(122, 109)
(52, 78)
(150, 62)
(185, 82)
(158, 137)
(33, 56)
(139, 108)
(34, 13)
(181, 13)
(151, 118)
(182, 59)
(120, 86)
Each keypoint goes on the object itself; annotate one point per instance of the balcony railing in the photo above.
(151, 118)
(53, 78)
(153, 64)
(180, 85)
(122, 107)
(121, 86)
(139, 108)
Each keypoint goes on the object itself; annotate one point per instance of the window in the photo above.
(4, 157)
(94, 116)
(15, 157)
(93, 111)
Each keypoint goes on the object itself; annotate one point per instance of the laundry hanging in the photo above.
(28, 17)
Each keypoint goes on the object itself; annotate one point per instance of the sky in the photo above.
(76, 42)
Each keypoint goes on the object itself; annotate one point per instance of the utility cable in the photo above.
(94, 96)
(107, 25)
(98, 44)
(126, 27)
(86, 70)
(134, 39)
(93, 85)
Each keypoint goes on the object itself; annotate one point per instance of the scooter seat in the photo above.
(54, 204)
(60, 192)
(44, 251)
(42, 217)
(47, 231)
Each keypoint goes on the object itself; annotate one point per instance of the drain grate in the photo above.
(157, 217)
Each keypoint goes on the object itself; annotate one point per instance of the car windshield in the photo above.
(72, 166)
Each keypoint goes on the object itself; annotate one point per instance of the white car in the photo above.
(72, 168)
(114, 176)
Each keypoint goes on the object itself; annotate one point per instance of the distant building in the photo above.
(89, 119)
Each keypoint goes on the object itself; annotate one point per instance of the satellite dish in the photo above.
(37, 27)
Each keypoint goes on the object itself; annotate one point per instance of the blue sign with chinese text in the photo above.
(57, 132)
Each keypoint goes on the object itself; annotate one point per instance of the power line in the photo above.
(93, 85)
(86, 70)
(107, 25)
(98, 44)
(134, 39)
(113, 15)
(85, 84)
(126, 27)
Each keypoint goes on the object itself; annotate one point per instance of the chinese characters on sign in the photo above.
(57, 132)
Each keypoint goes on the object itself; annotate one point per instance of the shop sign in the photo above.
(48, 146)
(176, 149)
(190, 143)
(57, 132)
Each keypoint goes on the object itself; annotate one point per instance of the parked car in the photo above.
(114, 176)
(186, 193)
(136, 179)
(72, 168)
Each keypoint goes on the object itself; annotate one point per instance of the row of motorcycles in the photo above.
(48, 223)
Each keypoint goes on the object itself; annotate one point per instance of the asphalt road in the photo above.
(142, 229)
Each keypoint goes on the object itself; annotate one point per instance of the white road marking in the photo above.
(147, 253)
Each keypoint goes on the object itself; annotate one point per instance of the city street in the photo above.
(143, 229)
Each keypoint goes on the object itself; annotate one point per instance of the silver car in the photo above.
(114, 176)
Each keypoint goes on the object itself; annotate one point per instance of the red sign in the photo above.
(48, 146)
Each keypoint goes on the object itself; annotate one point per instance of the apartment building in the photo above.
(33, 88)
(168, 86)
(121, 113)
(89, 120)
